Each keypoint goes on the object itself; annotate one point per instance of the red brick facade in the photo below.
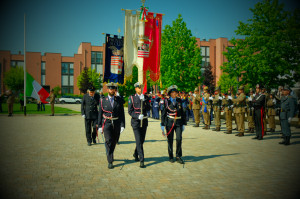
(53, 62)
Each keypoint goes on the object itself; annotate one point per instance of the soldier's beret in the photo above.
(172, 88)
(286, 88)
(112, 85)
(138, 84)
(241, 88)
(196, 89)
(205, 88)
(251, 90)
(217, 89)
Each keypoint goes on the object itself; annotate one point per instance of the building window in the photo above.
(97, 62)
(205, 56)
(67, 77)
(17, 63)
(43, 73)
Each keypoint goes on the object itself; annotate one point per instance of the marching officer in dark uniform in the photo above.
(258, 103)
(111, 121)
(89, 112)
(173, 119)
(287, 112)
(135, 104)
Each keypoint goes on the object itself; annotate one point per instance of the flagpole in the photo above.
(24, 64)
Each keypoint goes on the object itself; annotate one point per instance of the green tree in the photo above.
(127, 88)
(180, 57)
(57, 90)
(269, 54)
(87, 78)
(208, 79)
(14, 78)
(227, 83)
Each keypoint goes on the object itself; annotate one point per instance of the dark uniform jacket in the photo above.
(134, 109)
(108, 111)
(89, 106)
(259, 101)
(170, 110)
(287, 107)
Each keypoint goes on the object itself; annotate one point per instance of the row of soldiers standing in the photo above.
(257, 106)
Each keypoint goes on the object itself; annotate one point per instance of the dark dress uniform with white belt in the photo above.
(134, 110)
(111, 118)
(173, 118)
(89, 111)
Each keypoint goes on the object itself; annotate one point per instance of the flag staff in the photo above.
(24, 64)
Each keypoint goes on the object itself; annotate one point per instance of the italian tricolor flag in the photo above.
(35, 90)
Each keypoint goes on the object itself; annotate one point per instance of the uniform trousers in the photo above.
(89, 125)
(111, 135)
(140, 135)
(178, 130)
(259, 124)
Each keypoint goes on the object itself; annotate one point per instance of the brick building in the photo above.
(53, 69)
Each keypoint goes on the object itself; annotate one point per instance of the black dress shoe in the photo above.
(94, 141)
(110, 166)
(142, 165)
(256, 137)
(179, 160)
(260, 138)
(136, 158)
(89, 144)
(171, 160)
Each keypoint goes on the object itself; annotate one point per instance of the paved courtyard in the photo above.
(48, 157)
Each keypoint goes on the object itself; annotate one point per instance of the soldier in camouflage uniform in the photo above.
(228, 105)
(240, 111)
(250, 113)
(217, 103)
(271, 112)
(205, 108)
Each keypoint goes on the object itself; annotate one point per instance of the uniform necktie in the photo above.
(112, 101)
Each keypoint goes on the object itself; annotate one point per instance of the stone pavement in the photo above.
(48, 157)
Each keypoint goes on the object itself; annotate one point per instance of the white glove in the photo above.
(100, 130)
(194, 95)
(141, 116)
(118, 94)
(211, 98)
(229, 97)
(223, 97)
(220, 98)
(231, 106)
(290, 119)
(162, 128)
(142, 97)
(122, 129)
(183, 127)
(274, 101)
(83, 116)
(250, 99)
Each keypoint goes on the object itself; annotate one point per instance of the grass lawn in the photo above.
(32, 109)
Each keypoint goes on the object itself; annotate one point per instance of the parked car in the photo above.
(69, 99)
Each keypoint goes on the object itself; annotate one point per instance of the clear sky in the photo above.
(59, 26)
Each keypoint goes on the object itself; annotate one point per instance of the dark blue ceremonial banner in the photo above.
(114, 61)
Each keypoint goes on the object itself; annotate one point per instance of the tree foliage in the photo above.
(208, 79)
(228, 83)
(14, 78)
(127, 88)
(87, 78)
(269, 54)
(180, 57)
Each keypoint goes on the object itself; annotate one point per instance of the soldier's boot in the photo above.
(287, 141)
(218, 129)
(249, 130)
(241, 134)
(208, 127)
(196, 125)
(229, 132)
(272, 130)
(204, 127)
(283, 141)
(142, 165)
